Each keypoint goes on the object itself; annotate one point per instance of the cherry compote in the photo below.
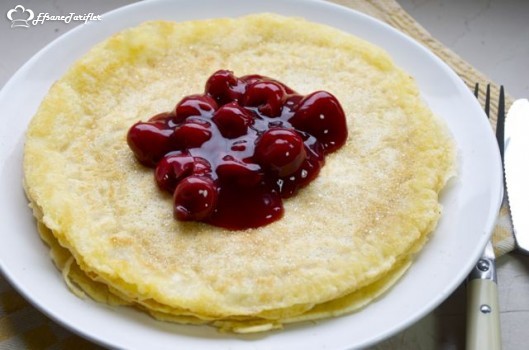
(230, 155)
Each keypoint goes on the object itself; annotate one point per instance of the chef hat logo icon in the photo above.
(20, 16)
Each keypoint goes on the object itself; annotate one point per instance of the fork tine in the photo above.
(500, 122)
(487, 101)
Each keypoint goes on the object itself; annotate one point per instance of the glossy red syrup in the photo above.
(230, 155)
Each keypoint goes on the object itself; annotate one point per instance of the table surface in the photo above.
(493, 36)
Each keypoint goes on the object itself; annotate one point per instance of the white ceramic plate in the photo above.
(471, 201)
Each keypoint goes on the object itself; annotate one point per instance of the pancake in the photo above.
(343, 240)
(85, 286)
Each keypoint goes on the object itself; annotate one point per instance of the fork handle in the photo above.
(483, 323)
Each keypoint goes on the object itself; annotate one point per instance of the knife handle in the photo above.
(483, 316)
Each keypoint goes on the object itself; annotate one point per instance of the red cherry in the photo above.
(268, 96)
(232, 120)
(252, 78)
(321, 115)
(165, 119)
(292, 101)
(307, 171)
(172, 169)
(280, 150)
(149, 142)
(194, 105)
(192, 133)
(195, 198)
(201, 166)
(235, 172)
(224, 87)
(161, 118)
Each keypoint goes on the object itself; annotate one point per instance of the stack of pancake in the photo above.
(343, 240)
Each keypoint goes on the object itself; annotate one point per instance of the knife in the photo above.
(516, 159)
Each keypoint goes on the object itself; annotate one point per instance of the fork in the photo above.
(500, 121)
(483, 319)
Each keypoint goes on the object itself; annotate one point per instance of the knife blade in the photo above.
(516, 158)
